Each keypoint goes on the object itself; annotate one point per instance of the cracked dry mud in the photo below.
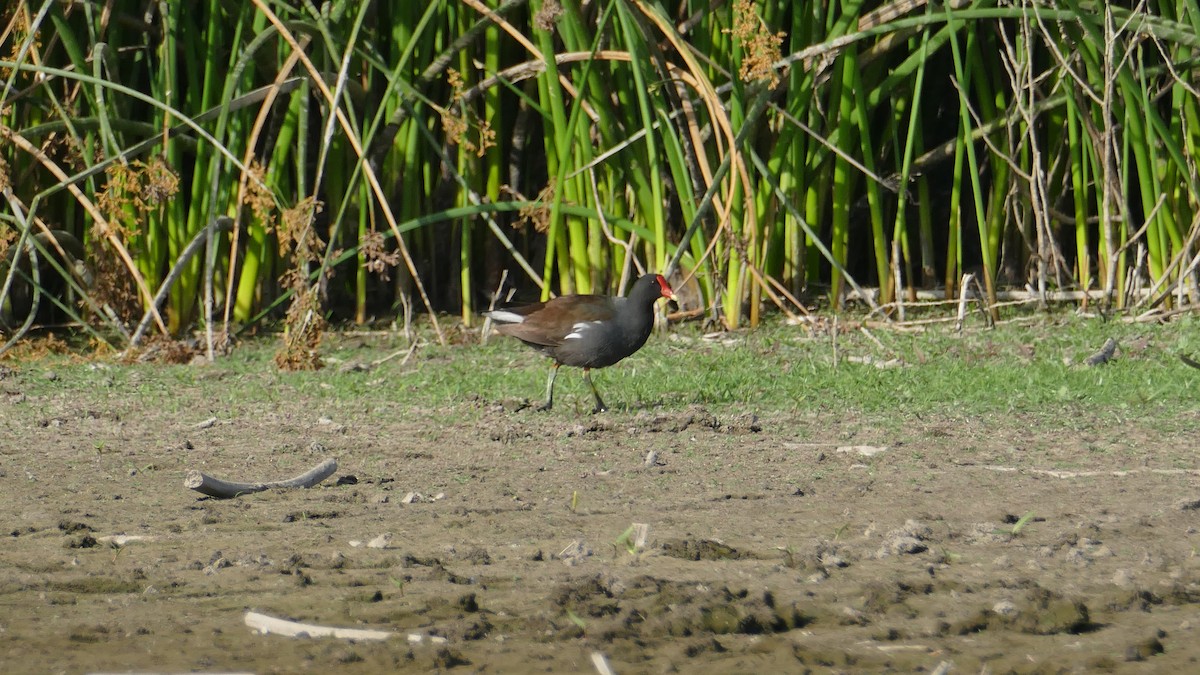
(768, 549)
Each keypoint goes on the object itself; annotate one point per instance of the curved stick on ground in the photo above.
(268, 624)
(223, 489)
(1104, 355)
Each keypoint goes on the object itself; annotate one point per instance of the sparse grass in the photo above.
(948, 557)
(575, 619)
(1019, 526)
(627, 540)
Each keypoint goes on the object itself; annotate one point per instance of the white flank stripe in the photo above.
(505, 316)
(577, 330)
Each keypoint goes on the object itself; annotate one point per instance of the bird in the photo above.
(585, 331)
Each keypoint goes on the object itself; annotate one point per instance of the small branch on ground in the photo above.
(407, 355)
(223, 489)
(1104, 355)
(600, 663)
(268, 624)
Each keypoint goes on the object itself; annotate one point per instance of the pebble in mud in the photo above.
(1005, 608)
(906, 540)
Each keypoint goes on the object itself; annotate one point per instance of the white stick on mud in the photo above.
(166, 673)
(224, 489)
(601, 664)
(270, 625)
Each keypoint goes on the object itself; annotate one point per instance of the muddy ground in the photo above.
(776, 541)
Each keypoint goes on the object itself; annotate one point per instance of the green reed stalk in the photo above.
(964, 86)
(843, 174)
(653, 211)
(556, 141)
(1079, 147)
(494, 114)
(207, 72)
(912, 145)
(468, 166)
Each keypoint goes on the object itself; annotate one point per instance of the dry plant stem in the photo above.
(964, 289)
(49, 239)
(1184, 276)
(827, 51)
(407, 355)
(862, 328)
(269, 94)
(210, 272)
(1161, 316)
(833, 337)
(219, 224)
(1108, 163)
(368, 171)
(138, 149)
(450, 166)
(1024, 83)
(485, 330)
(406, 303)
(600, 663)
(92, 210)
(517, 35)
(535, 67)
(37, 296)
(267, 625)
(933, 298)
(719, 116)
(22, 242)
(223, 489)
(683, 77)
(795, 213)
(608, 233)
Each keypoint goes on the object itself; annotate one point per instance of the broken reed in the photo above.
(380, 151)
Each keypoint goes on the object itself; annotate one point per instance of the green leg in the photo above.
(550, 389)
(600, 407)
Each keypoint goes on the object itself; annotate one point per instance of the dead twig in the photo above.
(407, 355)
(270, 625)
(218, 224)
(223, 489)
(1104, 355)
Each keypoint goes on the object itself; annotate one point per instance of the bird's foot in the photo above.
(545, 407)
(599, 409)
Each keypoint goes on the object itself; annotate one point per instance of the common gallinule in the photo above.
(586, 331)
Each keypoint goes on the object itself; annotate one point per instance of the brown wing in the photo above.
(549, 323)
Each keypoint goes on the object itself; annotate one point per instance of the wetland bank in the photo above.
(1055, 530)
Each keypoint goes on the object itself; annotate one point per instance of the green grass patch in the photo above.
(1035, 369)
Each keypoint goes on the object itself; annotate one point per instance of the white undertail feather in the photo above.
(505, 316)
